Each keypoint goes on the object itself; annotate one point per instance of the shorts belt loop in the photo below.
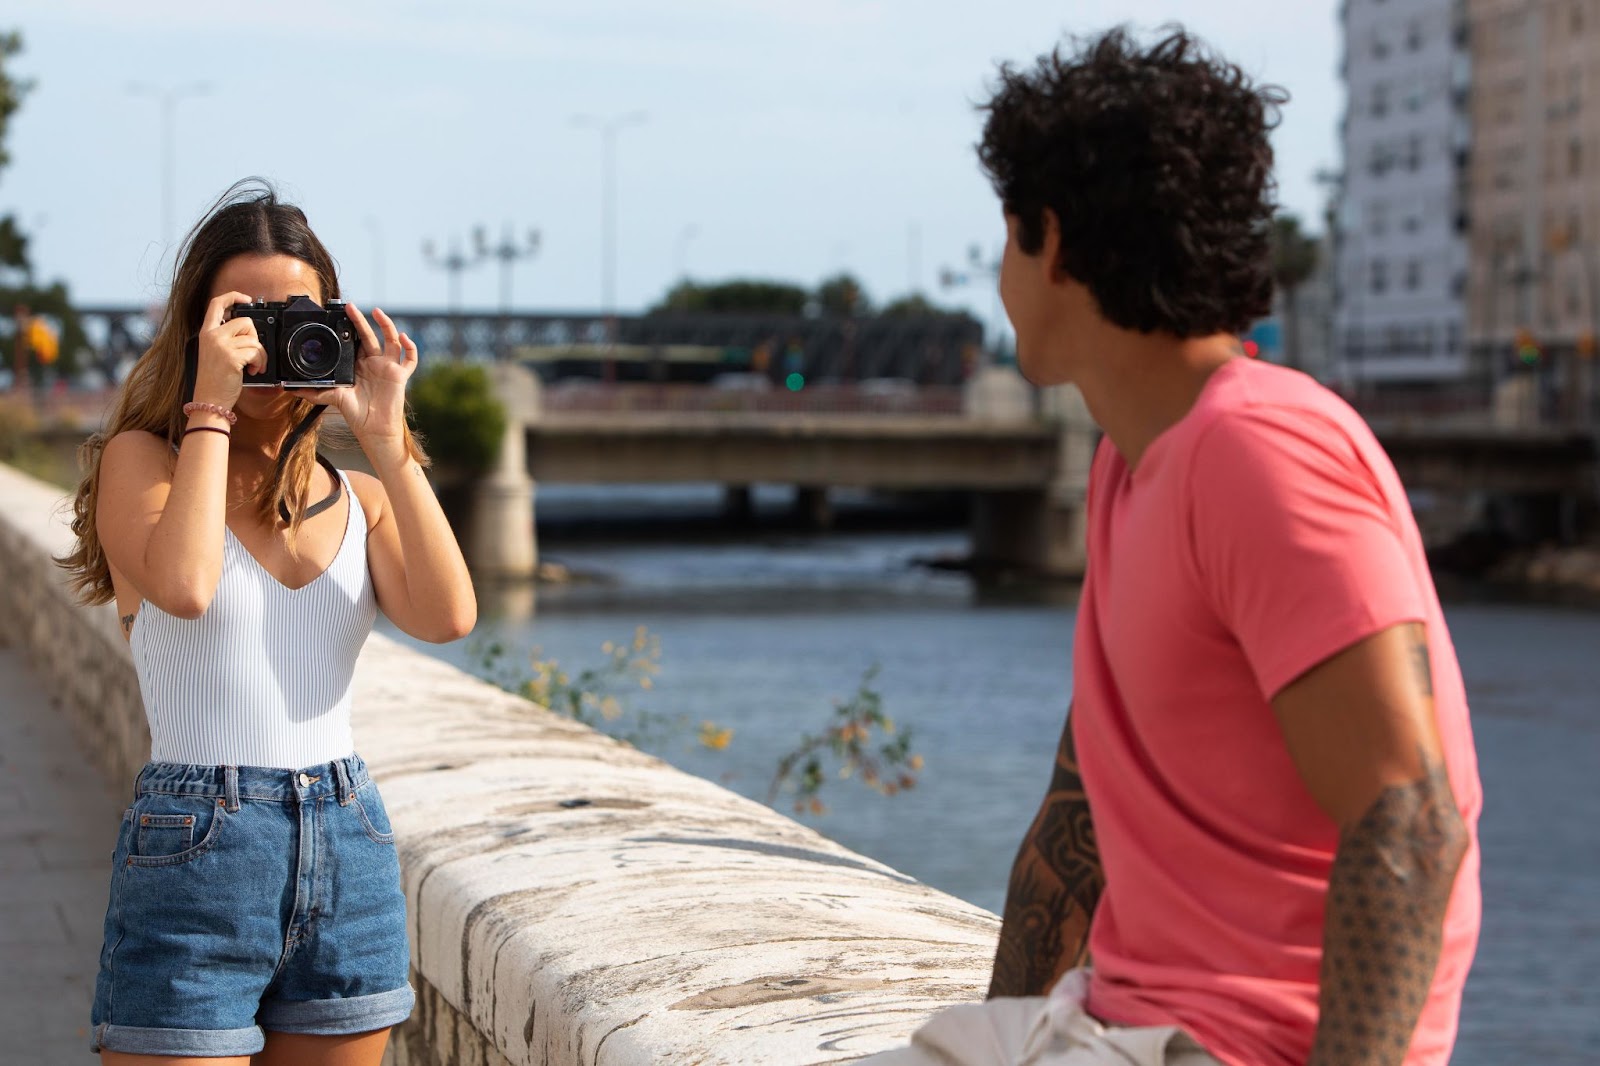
(230, 788)
(342, 782)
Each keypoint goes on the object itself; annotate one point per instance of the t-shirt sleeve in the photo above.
(1294, 541)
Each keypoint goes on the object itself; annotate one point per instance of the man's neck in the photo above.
(1140, 385)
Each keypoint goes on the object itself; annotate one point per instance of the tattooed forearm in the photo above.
(1055, 885)
(1387, 899)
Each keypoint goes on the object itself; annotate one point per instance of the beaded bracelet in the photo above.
(193, 407)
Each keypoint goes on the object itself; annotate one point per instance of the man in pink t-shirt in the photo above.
(1259, 844)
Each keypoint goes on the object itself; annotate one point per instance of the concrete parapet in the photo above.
(571, 900)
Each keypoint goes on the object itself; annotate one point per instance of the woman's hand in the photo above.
(375, 407)
(227, 348)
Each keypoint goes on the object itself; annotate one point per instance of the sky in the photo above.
(786, 139)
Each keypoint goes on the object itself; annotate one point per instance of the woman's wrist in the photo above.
(208, 418)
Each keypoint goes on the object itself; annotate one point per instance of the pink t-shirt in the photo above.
(1261, 534)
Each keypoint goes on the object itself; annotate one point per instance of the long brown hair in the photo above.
(248, 219)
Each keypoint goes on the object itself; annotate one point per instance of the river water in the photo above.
(761, 632)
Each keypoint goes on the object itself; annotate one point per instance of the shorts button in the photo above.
(305, 781)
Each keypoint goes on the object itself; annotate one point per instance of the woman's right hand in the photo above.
(228, 347)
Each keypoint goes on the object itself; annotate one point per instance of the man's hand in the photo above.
(1055, 885)
(1361, 730)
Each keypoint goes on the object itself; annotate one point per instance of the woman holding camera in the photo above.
(256, 914)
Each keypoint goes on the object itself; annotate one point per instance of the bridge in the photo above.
(1021, 455)
(936, 349)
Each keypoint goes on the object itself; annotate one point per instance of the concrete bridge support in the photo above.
(1037, 530)
(503, 541)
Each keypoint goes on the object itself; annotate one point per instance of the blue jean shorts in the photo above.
(245, 898)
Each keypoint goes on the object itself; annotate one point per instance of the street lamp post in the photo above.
(452, 263)
(978, 269)
(169, 99)
(508, 252)
(609, 128)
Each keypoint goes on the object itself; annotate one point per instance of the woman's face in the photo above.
(269, 277)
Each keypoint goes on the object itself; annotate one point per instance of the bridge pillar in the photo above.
(813, 508)
(1043, 530)
(738, 504)
(503, 541)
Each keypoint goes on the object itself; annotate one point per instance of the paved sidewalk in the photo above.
(58, 824)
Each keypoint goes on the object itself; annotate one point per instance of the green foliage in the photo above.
(734, 297)
(596, 696)
(887, 766)
(454, 408)
(19, 289)
(1294, 254)
(11, 90)
(842, 296)
(1294, 260)
(915, 305)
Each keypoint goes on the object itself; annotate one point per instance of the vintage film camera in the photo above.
(308, 346)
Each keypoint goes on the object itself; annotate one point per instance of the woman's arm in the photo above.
(160, 525)
(418, 572)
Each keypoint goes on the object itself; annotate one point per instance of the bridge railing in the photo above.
(579, 397)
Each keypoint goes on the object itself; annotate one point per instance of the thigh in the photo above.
(122, 1058)
(300, 1049)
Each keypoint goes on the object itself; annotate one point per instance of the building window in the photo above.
(1577, 16)
(1378, 218)
(1414, 152)
(1380, 100)
(1380, 48)
(1414, 37)
(1380, 277)
(1414, 275)
(1412, 223)
(1575, 158)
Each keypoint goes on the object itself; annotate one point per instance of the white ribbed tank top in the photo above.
(263, 677)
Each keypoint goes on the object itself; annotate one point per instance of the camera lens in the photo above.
(313, 352)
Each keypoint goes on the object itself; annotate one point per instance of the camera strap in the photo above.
(288, 449)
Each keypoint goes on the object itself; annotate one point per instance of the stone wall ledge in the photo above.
(657, 919)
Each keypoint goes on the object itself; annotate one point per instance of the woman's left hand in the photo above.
(375, 406)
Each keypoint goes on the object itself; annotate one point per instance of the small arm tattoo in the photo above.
(127, 624)
(1055, 885)
(1421, 661)
(1387, 897)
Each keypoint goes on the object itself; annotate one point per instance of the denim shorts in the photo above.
(245, 898)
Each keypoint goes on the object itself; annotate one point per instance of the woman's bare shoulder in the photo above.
(369, 490)
(135, 459)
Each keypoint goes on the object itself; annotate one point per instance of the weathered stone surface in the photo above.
(661, 919)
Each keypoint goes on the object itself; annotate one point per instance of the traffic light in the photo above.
(796, 381)
(1528, 351)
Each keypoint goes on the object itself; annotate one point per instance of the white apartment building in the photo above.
(1401, 267)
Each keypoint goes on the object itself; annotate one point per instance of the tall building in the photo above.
(1535, 170)
(1400, 276)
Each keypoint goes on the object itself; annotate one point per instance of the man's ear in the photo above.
(1050, 247)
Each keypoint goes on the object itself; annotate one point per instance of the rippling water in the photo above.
(760, 633)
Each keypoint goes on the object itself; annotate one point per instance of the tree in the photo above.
(739, 296)
(843, 297)
(1294, 260)
(17, 285)
(914, 305)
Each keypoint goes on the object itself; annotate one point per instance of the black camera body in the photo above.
(308, 346)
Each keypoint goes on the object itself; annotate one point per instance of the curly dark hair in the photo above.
(1158, 167)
